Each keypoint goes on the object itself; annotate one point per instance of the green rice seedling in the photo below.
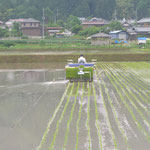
(116, 117)
(88, 117)
(52, 119)
(127, 106)
(61, 117)
(136, 78)
(70, 118)
(109, 124)
(79, 117)
(97, 121)
(125, 83)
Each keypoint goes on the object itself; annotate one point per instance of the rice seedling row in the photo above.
(134, 117)
(140, 99)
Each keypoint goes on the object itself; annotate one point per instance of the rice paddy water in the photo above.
(110, 113)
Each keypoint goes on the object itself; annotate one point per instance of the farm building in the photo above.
(53, 30)
(100, 39)
(119, 34)
(94, 22)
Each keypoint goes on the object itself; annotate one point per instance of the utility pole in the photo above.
(115, 14)
(57, 15)
(43, 18)
(136, 15)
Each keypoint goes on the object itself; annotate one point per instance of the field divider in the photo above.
(135, 96)
(70, 118)
(61, 117)
(52, 119)
(139, 85)
(88, 118)
(127, 106)
(79, 118)
(109, 124)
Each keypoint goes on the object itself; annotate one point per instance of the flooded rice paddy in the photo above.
(40, 110)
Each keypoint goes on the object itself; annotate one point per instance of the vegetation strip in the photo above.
(135, 96)
(115, 116)
(79, 117)
(129, 109)
(52, 119)
(88, 117)
(97, 120)
(109, 124)
(70, 118)
(61, 117)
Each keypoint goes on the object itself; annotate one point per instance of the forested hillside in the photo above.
(61, 9)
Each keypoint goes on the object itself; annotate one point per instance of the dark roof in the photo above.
(94, 23)
(54, 28)
(144, 20)
(29, 20)
(142, 29)
(100, 35)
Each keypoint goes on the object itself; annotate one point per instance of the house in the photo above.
(119, 34)
(94, 22)
(145, 22)
(29, 27)
(53, 30)
(142, 40)
(100, 39)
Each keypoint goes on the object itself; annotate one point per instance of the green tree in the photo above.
(16, 29)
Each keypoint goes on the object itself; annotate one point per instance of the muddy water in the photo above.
(28, 98)
(40, 110)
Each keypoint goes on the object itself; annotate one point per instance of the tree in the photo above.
(16, 29)
(75, 29)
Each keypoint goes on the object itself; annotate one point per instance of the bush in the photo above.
(8, 44)
(42, 43)
(89, 31)
(24, 37)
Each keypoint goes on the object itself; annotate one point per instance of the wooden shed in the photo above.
(101, 39)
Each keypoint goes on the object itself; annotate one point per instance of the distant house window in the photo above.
(34, 24)
(24, 24)
(30, 24)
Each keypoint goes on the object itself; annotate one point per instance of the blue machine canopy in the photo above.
(77, 65)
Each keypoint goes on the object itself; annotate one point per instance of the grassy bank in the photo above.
(65, 44)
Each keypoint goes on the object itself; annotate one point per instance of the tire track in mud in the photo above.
(118, 89)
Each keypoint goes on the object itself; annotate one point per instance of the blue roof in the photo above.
(142, 38)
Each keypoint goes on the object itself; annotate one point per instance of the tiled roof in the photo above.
(54, 28)
(142, 29)
(144, 20)
(100, 35)
(94, 23)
